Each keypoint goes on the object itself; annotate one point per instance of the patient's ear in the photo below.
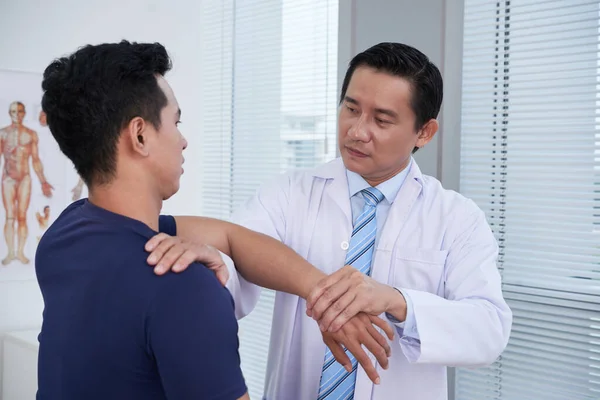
(136, 134)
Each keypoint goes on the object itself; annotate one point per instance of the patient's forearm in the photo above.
(259, 258)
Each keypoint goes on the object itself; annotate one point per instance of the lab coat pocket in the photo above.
(420, 269)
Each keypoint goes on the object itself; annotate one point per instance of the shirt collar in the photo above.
(389, 188)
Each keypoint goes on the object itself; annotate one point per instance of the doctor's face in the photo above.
(377, 125)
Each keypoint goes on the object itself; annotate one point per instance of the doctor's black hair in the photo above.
(406, 62)
(92, 94)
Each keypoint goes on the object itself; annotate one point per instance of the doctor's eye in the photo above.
(351, 109)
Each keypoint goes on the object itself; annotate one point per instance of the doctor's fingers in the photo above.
(176, 258)
(339, 307)
(158, 246)
(359, 303)
(222, 274)
(170, 252)
(156, 240)
(329, 289)
(212, 259)
(185, 259)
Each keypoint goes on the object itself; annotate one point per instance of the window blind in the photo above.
(269, 105)
(530, 158)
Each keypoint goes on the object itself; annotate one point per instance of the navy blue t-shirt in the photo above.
(112, 329)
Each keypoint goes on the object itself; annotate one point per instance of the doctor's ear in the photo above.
(427, 132)
(137, 135)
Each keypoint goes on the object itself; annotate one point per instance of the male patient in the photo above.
(113, 328)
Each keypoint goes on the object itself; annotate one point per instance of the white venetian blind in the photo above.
(530, 158)
(269, 83)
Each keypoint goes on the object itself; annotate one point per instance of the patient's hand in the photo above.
(360, 330)
(172, 253)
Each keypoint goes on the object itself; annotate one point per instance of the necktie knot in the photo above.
(372, 196)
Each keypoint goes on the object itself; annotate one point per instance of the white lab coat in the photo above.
(435, 245)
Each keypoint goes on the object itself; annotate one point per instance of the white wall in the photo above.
(35, 32)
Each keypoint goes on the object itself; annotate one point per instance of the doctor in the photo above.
(393, 241)
(428, 261)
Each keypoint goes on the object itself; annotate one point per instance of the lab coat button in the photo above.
(345, 245)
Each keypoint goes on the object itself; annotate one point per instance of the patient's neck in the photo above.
(129, 197)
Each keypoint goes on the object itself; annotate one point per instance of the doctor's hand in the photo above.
(172, 253)
(360, 330)
(345, 293)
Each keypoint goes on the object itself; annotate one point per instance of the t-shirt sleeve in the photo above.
(193, 336)
(167, 224)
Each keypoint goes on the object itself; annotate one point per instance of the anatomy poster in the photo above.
(38, 181)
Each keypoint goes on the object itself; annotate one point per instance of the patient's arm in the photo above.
(258, 258)
(192, 334)
(268, 263)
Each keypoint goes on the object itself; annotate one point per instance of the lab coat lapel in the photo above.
(337, 190)
(401, 208)
(395, 223)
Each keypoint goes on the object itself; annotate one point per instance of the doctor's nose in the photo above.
(359, 131)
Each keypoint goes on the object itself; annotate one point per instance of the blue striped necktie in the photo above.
(336, 382)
